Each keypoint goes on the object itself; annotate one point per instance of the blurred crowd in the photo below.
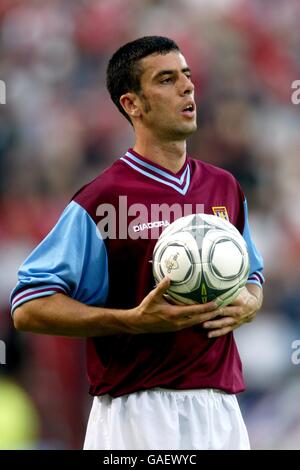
(59, 129)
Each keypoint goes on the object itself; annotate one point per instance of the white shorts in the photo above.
(163, 419)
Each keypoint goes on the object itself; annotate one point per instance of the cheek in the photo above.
(161, 105)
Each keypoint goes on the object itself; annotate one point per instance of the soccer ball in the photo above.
(205, 257)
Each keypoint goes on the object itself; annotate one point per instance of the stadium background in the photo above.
(59, 129)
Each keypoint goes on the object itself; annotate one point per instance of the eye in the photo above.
(166, 80)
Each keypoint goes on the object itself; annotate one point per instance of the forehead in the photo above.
(155, 63)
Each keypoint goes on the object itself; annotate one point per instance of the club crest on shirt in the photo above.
(220, 211)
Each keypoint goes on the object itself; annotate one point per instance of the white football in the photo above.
(205, 257)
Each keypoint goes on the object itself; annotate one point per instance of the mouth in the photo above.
(189, 110)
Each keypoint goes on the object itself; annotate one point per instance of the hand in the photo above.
(242, 310)
(156, 315)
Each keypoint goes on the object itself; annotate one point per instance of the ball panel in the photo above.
(178, 225)
(227, 259)
(214, 281)
(176, 263)
(220, 223)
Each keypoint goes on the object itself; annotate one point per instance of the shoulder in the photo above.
(217, 178)
(214, 172)
(100, 189)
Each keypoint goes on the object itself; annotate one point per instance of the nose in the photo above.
(186, 86)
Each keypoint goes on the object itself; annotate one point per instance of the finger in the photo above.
(250, 317)
(193, 320)
(196, 315)
(220, 332)
(197, 309)
(220, 323)
(229, 311)
(162, 287)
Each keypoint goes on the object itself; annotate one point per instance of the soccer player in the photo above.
(163, 376)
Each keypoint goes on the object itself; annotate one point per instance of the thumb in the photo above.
(162, 286)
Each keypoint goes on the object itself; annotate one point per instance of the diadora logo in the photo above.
(171, 263)
(156, 224)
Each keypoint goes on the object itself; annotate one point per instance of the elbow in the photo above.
(21, 318)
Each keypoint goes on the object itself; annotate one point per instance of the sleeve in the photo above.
(72, 259)
(256, 262)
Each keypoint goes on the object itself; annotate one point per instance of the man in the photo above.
(163, 376)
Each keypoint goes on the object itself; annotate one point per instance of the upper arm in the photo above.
(22, 314)
(256, 261)
(71, 260)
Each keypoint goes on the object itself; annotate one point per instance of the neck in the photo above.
(170, 155)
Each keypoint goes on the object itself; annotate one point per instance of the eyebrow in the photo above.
(170, 72)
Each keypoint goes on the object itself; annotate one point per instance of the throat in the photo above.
(171, 156)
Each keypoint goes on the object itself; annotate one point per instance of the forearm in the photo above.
(63, 316)
(257, 292)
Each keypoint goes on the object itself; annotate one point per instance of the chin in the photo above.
(190, 129)
(183, 131)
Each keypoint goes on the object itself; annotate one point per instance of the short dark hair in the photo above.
(123, 71)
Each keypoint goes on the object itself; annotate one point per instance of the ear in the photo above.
(131, 104)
